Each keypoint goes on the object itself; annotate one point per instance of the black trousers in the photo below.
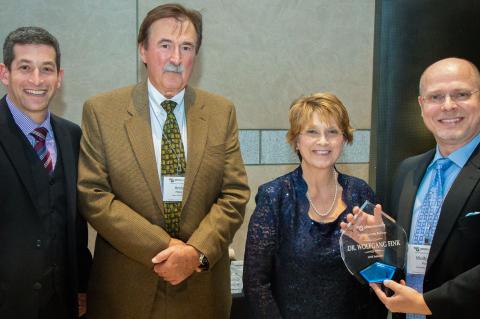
(55, 308)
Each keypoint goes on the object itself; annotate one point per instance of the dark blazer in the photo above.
(452, 278)
(22, 233)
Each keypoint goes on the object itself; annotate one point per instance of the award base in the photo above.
(378, 272)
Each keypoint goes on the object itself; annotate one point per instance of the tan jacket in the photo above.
(119, 194)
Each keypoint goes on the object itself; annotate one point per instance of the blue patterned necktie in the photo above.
(427, 221)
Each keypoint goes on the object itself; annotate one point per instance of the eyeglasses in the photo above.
(316, 134)
(456, 96)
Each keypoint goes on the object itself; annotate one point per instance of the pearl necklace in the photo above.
(333, 202)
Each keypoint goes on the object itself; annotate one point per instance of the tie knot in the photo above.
(39, 134)
(443, 164)
(169, 105)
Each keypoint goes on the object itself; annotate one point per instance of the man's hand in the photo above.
(405, 299)
(174, 241)
(177, 262)
(82, 304)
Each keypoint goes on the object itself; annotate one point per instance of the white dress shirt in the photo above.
(158, 116)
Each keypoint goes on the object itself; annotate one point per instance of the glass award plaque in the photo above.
(373, 246)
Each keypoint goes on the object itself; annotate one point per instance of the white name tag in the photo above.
(172, 190)
(417, 259)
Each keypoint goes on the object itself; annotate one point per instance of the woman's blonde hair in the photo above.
(329, 108)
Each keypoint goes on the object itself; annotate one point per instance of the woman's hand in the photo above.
(365, 228)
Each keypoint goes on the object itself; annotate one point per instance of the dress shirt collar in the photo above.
(157, 98)
(460, 156)
(25, 123)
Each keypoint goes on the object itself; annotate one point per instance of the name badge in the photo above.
(417, 259)
(172, 190)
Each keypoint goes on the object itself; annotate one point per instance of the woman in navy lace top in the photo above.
(293, 267)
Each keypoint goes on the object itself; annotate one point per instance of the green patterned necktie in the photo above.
(173, 163)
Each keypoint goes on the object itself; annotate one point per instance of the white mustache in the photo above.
(169, 67)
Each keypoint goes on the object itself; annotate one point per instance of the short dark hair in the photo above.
(170, 10)
(29, 35)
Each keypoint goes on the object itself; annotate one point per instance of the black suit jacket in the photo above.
(21, 230)
(452, 278)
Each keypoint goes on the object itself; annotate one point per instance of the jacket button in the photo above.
(37, 286)
(38, 243)
(51, 182)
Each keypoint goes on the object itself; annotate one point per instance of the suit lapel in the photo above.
(140, 135)
(409, 190)
(196, 136)
(453, 204)
(11, 139)
(64, 143)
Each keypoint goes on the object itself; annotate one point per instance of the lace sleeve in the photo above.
(259, 256)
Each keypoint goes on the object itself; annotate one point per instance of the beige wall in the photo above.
(260, 54)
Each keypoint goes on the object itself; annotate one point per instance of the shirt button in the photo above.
(37, 286)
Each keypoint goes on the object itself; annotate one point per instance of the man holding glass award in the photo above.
(436, 199)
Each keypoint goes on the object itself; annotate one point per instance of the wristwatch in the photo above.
(204, 265)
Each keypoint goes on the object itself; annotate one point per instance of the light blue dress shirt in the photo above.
(158, 116)
(27, 125)
(459, 159)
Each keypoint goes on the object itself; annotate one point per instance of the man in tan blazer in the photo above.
(153, 260)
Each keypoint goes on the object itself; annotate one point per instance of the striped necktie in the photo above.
(40, 134)
(173, 163)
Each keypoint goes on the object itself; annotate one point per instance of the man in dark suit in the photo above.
(436, 198)
(44, 255)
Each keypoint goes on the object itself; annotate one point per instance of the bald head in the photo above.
(445, 66)
(450, 102)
